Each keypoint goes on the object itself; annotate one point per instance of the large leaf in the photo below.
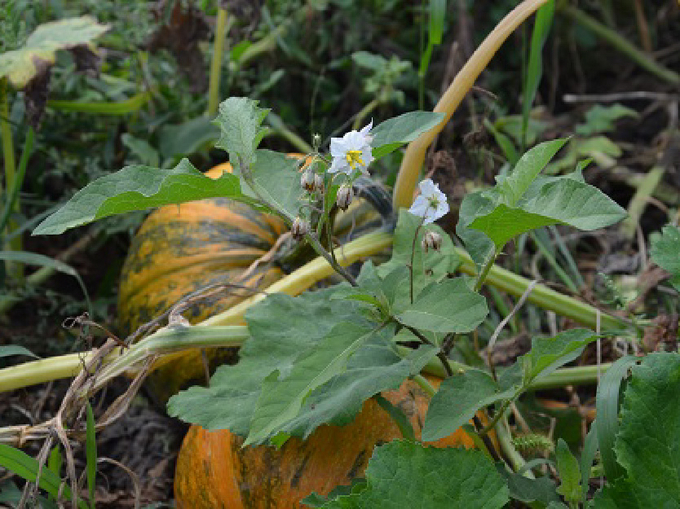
(449, 306)
(563, 201)
(648, 442)
(404, 474)
(240, 122)
(138, 188)
(21, 65)
(374, 368)
(664, 251)
(570, 474)
(281, 399)
(397, 131)
(458, 399)
(282, 328)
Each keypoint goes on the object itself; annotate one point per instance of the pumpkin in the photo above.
(213, 470)
(180, 249)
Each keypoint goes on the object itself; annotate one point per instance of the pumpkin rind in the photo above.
(213, 470)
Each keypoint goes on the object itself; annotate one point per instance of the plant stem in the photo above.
(543, 296)
(620, 43)
(15, 244)
(216, 64)
(488, 264)
(12, 193)
(425, 385)
(314, 241)
(164, 341)
(279, 128)
(359, 118)
(449, 102)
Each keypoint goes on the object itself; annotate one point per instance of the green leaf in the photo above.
(457, 400)
(91, 454)
(277, 180)
(45, 261)
(527, 490)
(282, 398)
(427, 267)
(527, 169)
(138, 188)
(449, 306)
(24, 466)
(607, 407)
(20, 66)
(664, 252)
(187, 138)
(548, 354)
(395, 132)
(282, 328)
(403, 474)
(562, 201)
(600, 119)
(9, 350)
(570, 474)
(374, 368)
(315, 500)
(144, 152)
(544, 18)
(240, 123)
(648, 442)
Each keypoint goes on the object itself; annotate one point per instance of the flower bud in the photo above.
(345, 196)
(318, 183)
(316, 141)
(299, 229)
(431, 240)
(307, 180)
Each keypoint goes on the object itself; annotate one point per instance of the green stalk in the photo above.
(280, 129)
(216, 64)
(620, 44)
(12, 193)
(639, 201)
(164, 341)
(449, 102)
(15, 244)
(130, 105)
(543, 296)
(359, 118)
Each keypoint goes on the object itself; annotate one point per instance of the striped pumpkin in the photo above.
(181, 249)
(213, 470)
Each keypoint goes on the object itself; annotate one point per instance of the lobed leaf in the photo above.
(138, 188)
(240, 122)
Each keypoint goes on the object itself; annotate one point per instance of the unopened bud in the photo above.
(316, 141)
(307, 180)
(318, 183)
(431, 240)
(299, 229)
(345, 196)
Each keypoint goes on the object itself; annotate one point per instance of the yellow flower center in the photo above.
(353, 158)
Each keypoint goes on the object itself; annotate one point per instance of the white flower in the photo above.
(352, 151)
(431, 204)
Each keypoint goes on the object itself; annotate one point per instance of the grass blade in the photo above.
(91, 454)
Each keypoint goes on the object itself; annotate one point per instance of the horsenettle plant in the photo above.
(373, 329)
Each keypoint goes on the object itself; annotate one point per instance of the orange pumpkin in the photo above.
(213, 470)
(180, 249)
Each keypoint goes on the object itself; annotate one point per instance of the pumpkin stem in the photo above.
(449, 102)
